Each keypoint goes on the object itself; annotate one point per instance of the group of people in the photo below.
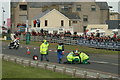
(75, 36)
(72, 57)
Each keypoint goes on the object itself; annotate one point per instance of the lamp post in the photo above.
(3, 16)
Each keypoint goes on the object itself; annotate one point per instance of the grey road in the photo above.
(99, 62)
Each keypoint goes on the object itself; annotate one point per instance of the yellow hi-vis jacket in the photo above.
(60, 47)
(83, 56)
(70, 57)
(44, 48)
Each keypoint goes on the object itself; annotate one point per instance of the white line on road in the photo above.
(102, 62)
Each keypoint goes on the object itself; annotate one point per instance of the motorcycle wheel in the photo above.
(17, 47)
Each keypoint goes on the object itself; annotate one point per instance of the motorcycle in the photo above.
(14, 45)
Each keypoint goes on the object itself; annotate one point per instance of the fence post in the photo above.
(22, 61)
(98, 75)
(15, 60)
(29, 63)
(74, 71)
(54, 66)
(110, 76)
(64, 70)
(3, 57)
(85, 74)
(37, 64)
(8, 58)
(45, 66)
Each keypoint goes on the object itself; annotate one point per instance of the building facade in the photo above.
(89, 12)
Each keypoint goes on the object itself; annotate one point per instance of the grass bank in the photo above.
(73, 47)
(13, 70)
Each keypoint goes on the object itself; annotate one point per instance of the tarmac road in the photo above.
(104, 63)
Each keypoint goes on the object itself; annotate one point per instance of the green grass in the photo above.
(73, 47)
(13, 70)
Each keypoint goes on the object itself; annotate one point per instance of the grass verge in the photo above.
(13, 70)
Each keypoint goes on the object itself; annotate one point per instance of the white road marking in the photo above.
(114, 64)
(102, 62)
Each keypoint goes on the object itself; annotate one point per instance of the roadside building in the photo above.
(111, 27)
(55, 21)
(89, 12)
(114, 16)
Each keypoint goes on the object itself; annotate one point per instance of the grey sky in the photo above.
(6, 5)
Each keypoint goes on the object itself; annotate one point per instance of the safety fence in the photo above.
(81, 42)
(64, 69)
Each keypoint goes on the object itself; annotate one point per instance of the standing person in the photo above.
(60, 52)
(28, 38)
(44, 50)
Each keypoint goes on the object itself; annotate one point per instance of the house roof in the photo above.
(103, 5)
(113, 24)
(42, 4)
(41, 14)
(71, 15)
(68, 15)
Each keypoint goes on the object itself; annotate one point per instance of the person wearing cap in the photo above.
(60, 52)
(44, 49)
(84, 58)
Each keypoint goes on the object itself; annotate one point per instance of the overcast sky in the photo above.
(6, 5)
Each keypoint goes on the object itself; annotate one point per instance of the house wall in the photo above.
(32, 12)
(54, 20)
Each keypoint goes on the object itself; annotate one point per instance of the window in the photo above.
(65, 8)
(69, 23)
(54, 32)
(78, 8)
(46, 22)
(84, 28)
(62, 23)
(93, 8)
(23, 7)
(74, 22)
(85, 18)
(93, 28)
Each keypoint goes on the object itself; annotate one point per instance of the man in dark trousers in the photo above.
(60, 52)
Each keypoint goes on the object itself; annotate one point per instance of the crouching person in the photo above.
(70, 58)
(84, 58)
(73, 58)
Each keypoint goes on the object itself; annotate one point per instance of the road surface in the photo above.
(99, 62)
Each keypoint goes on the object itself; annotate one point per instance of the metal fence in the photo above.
(81, 42)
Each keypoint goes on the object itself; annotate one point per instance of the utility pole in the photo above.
(3, 17)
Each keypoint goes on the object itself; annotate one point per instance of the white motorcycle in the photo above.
(14, 45)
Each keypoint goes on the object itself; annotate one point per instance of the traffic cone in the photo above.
(28, 50)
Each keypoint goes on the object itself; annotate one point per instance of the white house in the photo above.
(55, 21)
